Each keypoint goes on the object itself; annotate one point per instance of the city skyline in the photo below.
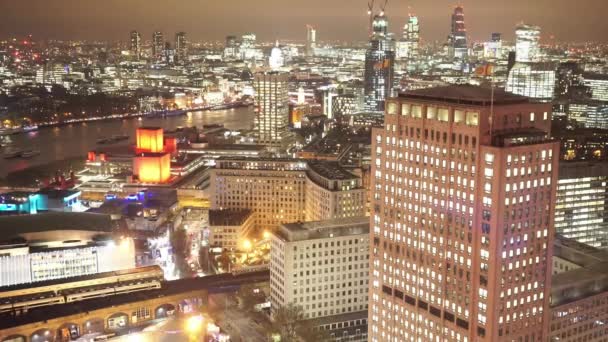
(110, 19)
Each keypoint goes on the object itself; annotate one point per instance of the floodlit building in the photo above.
(461, 220)
(286, 190)
(527, 43)
(534, 80)
(60, 245)
(333, 192)
(311, 40)
(229, 228)
(581, 210)
(272, 107)
(321, 266)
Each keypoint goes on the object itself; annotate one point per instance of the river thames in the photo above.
(74, 141)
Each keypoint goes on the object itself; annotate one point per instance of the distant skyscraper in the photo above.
(379, 65)
(461, 227)
(158, 44)
(272, 105)
(598, 84)
(407, 47)
(248, 44)
(231, 49)
(458, 37)
(169, 54)
(535, 80)
(493, 48)
(526, 43)
(311, 40)
(135, 46)
(276, 59)
(181, 47)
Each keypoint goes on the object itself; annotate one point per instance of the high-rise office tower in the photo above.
(311, 40)
(181, 47)
(598, 85)
(379, 65)
(462, 217)
(458, 37)
(407, 47)
(158, 44)
(272, 107)
(231, 48)
(135, 46)
(526, 43)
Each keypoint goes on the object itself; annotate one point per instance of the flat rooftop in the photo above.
(333, 228)
(330, 170)
(229, 217)
(464, 94)
(14, 226)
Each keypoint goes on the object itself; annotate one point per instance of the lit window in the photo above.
(531, 117)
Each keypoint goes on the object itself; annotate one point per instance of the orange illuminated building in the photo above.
(152, 163)
(149, 139)
(152, 167)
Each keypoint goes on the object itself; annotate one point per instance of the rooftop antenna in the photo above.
(370, 13)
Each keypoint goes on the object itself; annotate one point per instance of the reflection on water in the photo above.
(65, 142)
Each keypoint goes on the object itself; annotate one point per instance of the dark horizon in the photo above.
(566, 20)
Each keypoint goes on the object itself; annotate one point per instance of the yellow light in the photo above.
(194, 324)
(247, 245)
(266, 235)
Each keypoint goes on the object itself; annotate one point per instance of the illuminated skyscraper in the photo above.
(407, 47)
(311, 40)
(535, 80)
(135, 46)
(526, 43)
(272, 107)
(181, 47)
(158, 44)
(276, 59)
(231, 49)
(462, 217)
(379, 65)
(493, 48)
(458, 37)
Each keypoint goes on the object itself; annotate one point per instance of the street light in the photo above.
(194, 324)
(266, 235)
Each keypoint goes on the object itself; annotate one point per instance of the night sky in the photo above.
(567, 20)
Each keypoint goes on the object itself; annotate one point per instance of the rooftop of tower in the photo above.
(465, 94)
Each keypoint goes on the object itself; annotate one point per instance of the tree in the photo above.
(291, 324)
(225, 261)
(179, 245)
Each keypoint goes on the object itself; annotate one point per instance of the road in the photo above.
(240, 325)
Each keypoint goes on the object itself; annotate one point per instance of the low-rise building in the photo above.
(229, 228)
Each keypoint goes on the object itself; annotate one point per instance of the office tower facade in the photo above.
(534, 80)
(311, 40)
(462, 217)
(527, 39)
(321, 266)
(457, 40)
(407, 47)
(181, 47)
(272, 107)
(276, 59)
(248, 44)
(598, 85)
(158, 45)
(379, 65)
(135, 44)
(581, 210)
